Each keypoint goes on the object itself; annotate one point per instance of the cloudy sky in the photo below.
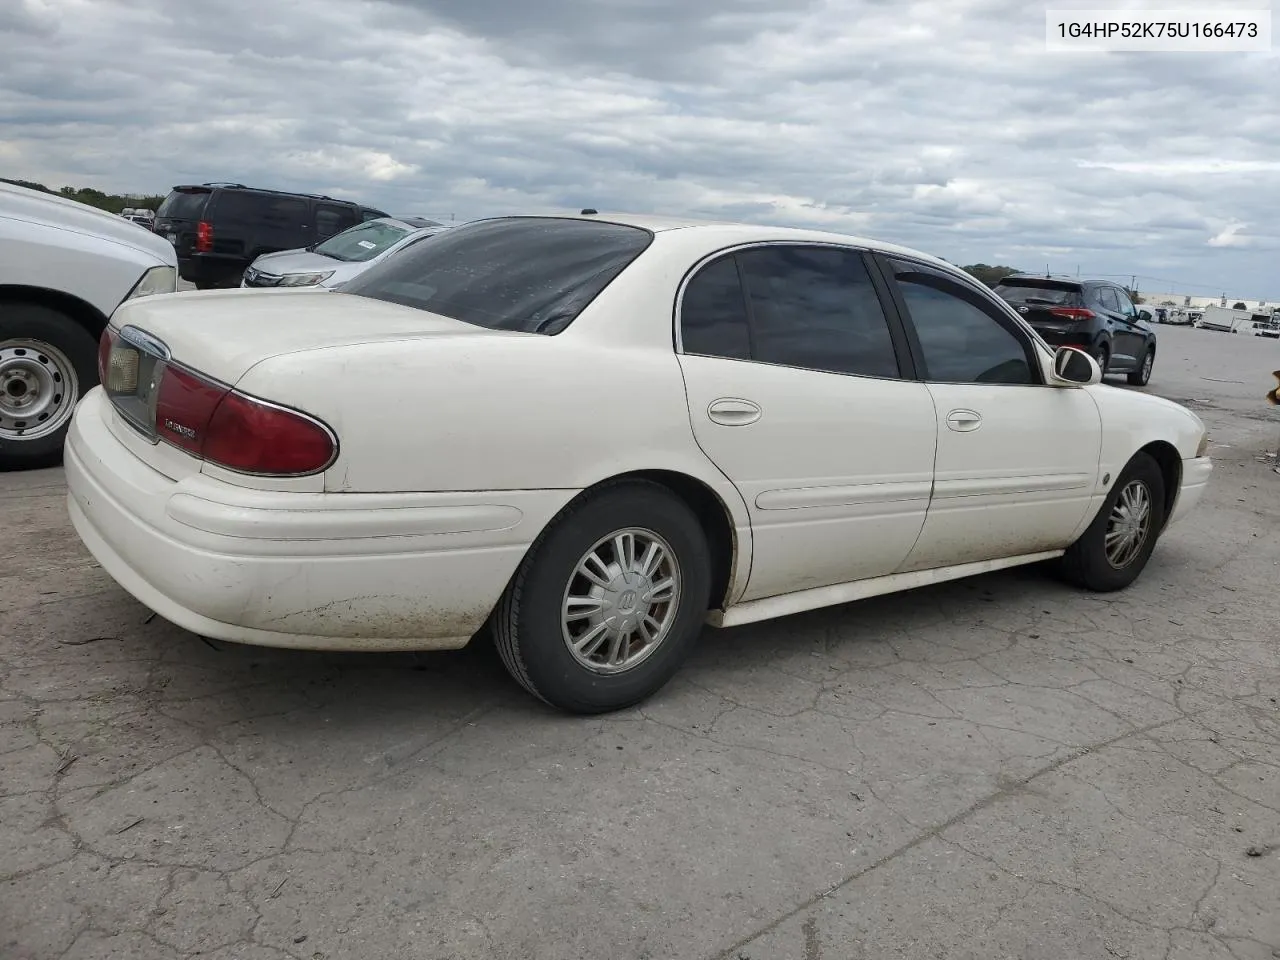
(942, 124)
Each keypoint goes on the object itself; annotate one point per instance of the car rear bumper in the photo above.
(332, 571)
(1064, 338)
(1195, 478)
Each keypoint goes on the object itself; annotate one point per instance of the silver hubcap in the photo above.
(38, 389)
(621, 600)
(1129, 524)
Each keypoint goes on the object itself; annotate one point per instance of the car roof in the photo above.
(219, 185)
(737, 232)
(1079, 281)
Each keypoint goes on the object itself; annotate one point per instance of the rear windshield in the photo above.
(1033, 291)
(531, 274)
(364, 241)
(183, 205)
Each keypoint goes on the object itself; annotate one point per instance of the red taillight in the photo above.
(204, 237)
(184, 407)
(1072, 313)
(105, 343)
(254, 437)
(232, 430)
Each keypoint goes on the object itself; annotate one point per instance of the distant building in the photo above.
(1197, 302)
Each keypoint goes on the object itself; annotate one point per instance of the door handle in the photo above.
(732, 412)
(964, 421)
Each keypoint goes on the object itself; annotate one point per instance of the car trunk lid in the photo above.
(225, 332)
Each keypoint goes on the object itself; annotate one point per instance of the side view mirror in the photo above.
(1075, 368)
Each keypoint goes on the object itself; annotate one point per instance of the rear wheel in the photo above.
(609, 600)
(47, 362)
(1114, 550)
(1102, 354)
(1142, 376)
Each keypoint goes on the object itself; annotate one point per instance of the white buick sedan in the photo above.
(595, 434)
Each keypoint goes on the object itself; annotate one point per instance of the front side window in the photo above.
(530, 274)
(961, 338)
(815, 307)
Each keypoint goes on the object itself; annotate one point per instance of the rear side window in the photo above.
(183, 205)
(267, 208)
(1109, 300)
(815, 307)
(713, 313)
(531, 274)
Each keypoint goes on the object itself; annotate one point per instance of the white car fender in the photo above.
(416, 414)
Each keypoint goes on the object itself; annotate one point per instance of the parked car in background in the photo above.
(64, 268)
(342, 257)
(218, 229)
(1095, 315)
(615, 430)
(1153, 314)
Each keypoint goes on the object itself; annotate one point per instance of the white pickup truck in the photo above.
(64, 268)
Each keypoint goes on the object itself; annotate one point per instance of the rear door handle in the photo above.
(964, 421)
(733, 412)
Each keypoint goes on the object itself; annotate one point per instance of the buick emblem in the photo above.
(1022, 310)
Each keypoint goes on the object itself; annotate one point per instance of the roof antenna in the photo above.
(588, 211)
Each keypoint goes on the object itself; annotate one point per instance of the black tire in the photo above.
(527, 625)
(1086, 563)
(1142, 376)
(206, 285)
(1102, 353)
(78, 348)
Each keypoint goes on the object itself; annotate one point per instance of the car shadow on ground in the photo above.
(219, 685)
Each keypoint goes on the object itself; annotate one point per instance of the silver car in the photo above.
(342, 257)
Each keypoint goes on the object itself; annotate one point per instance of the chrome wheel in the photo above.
(1129, 525)
(38, 389)
(621, 600)
(1147, 364)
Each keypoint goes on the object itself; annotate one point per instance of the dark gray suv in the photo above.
(1095, 315)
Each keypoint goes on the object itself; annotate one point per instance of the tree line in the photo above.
(110, 202)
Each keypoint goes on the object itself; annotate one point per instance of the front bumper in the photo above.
(1195, 478)
(332, 571)
(210, 267)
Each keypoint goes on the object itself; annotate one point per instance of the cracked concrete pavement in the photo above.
(1001, 767)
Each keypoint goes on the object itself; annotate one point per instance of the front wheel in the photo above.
(1115, 549)
(1142, 376)
(47, 363)
(609, 600)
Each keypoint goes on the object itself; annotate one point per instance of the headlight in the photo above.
(156, 280)
(303, 279)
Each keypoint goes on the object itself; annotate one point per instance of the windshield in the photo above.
(363, 241)
(531, 274)
(1055, 294)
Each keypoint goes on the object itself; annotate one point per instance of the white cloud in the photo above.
(1230, 236)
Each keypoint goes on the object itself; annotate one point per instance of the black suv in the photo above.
(1096, 315)
(218, 229)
